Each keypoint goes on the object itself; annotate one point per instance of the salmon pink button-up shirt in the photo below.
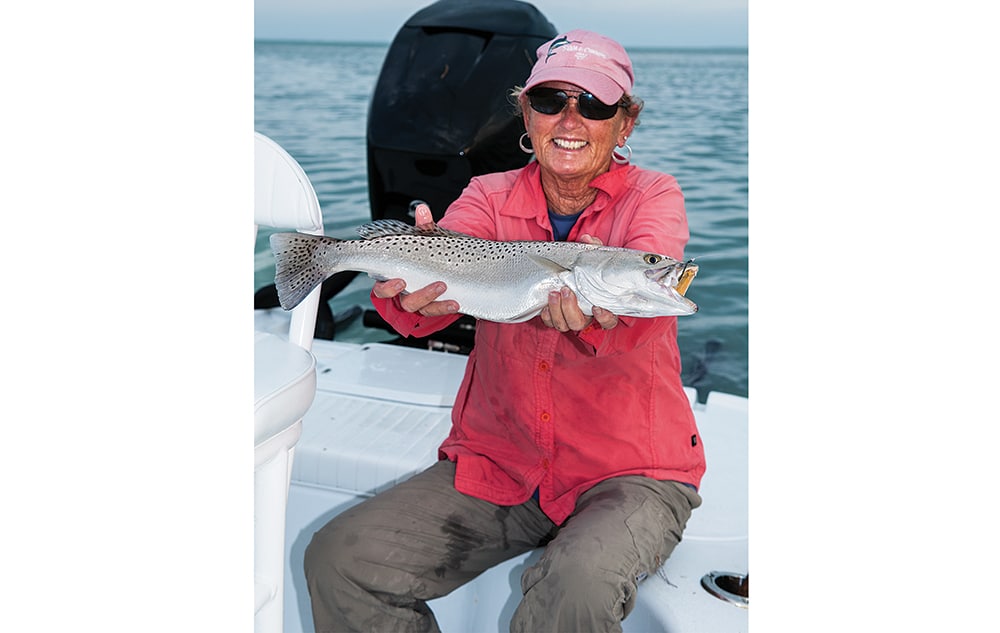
(560, 412)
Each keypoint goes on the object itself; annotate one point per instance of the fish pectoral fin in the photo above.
(548, 264)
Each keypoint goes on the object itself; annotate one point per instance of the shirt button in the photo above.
(543, 366)
(545, 417)
(545, 463)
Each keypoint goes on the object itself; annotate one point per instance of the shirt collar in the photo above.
(529, 200)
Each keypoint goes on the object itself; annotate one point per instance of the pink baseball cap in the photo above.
(596, 63)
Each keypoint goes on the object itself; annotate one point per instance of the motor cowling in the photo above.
(440, 112)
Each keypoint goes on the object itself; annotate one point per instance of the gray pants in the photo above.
(374, 566)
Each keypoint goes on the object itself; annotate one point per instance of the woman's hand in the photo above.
(422, 217)
(563, 311)
(422, 300)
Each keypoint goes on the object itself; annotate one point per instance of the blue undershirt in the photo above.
(562, 224)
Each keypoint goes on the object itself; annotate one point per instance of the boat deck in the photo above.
(379, 415)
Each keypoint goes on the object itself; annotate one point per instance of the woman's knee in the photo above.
(325, 551)
(570, 593)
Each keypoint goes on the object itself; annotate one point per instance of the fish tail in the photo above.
(300, 265)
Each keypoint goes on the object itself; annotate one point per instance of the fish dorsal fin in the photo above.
(388, 228)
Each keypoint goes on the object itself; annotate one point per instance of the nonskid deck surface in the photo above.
(380, 413)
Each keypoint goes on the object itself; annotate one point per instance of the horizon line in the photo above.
(704, 47)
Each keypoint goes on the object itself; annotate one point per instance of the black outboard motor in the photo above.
(440, 112)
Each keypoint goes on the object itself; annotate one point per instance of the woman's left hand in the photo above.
(563, 312)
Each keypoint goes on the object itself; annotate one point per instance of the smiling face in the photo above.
(569, 147)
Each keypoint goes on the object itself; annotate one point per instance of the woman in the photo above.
(569, 431)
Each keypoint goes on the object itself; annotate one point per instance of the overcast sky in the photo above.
(631, 22)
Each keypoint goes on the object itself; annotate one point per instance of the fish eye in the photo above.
(650, 258)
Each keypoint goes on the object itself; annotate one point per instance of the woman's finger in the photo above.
(422, 217)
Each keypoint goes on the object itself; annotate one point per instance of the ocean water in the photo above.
(312, 98)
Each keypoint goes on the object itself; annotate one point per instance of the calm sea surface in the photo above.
(313, 100)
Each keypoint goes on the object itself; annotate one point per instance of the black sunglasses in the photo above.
(553, 100)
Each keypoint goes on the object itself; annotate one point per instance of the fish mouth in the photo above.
(676, 277)
(688, 272)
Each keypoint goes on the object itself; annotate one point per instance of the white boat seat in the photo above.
(284, 378)
(284, 386)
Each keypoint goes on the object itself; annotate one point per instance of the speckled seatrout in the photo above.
(507, 282)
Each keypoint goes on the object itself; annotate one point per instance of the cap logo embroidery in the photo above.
(558, 43)
(580, 52)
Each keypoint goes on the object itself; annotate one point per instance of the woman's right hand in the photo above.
(422, 300)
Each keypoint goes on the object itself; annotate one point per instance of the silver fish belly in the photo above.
(506, 282)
